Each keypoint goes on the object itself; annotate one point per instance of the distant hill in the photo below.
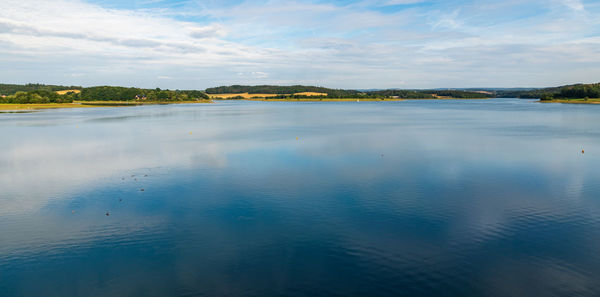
(460, 94)
(102, 93)
(280, 90)
(297, 90)
(576, 91)
(10, 89)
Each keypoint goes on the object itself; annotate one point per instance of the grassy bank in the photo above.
(312, 99)
(25, 107)
(342, 99)
(573, 101)
(135, 103)
(84, 104)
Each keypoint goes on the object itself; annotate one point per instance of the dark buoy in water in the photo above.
(142, 190)
(120, 199)
(107, 214)
(145, 175)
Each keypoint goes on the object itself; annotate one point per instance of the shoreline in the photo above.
(308, 100)
(24, 108)
(30, 107)
(342, 99)
(572, 101)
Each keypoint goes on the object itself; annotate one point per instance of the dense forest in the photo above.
(11, 89)
(578, 91)
(460, 94)
(38, 96)
(106, 93)
(401, 94)
(514, 93)
(38, 93)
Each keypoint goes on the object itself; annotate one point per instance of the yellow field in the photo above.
(244, 95)
(25, 107)
(322, 99)
(257, 96)
(67, 91)
(310, 94)
(440, 97)
(448, 97)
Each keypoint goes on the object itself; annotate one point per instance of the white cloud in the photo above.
(576, 5)
(349, 46)
(213, 30)
(400, 2)
(448, 20)
(259, 74)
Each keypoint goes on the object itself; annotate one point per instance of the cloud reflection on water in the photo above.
(393, 186)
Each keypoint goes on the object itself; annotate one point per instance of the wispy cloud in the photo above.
(576, 5)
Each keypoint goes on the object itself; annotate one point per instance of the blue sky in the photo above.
(343, 44)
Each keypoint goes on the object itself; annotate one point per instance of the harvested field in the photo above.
(67, 91)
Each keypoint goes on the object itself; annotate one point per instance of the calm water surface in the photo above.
(413, 198)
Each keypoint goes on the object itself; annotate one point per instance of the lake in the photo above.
(411, 198)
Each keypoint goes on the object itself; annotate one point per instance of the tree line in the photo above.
(577, 91)
(39, 93)
(37, 96)
(11, 89)
(401, 94)
(290, 91)
(107, 93)
(460, 94)
(281, 90)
